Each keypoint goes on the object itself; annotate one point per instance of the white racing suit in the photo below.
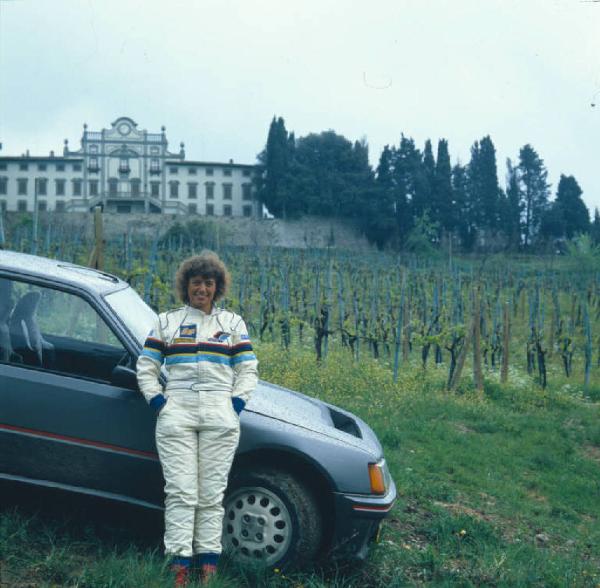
(212, 371)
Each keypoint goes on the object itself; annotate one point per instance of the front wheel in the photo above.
(271, 518)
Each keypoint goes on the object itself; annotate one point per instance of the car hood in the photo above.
(315, 415)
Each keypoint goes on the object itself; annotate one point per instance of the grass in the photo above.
(496, 489)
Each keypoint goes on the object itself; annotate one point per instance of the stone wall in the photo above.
(307, 232)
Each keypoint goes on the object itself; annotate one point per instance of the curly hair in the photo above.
(208, 265)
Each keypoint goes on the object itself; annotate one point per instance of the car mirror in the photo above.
(124, 377)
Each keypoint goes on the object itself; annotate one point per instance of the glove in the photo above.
(238, 404)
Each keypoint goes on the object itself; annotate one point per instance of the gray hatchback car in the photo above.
(308, 479)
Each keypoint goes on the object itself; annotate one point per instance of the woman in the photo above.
(212, 371)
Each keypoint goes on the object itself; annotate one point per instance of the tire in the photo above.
(271, 518)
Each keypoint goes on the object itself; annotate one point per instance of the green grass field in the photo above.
(495, 489)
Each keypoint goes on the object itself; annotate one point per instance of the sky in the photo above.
(216, 72)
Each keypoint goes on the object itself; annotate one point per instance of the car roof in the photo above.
(59, 271)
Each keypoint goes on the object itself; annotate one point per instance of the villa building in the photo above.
(124, 169)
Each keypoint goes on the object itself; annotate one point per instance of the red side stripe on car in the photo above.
(76, 441)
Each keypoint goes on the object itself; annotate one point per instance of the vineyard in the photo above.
(492, 314)
(497, 479)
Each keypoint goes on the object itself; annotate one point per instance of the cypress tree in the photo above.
(575, 214)
(595, 232)
(377, 220)
(272, 184)
(513, 208)
(460, 196)
(409, 181)
(534, 191)
(552, 225)
(483, 188)
(428, 179)
(443, 206)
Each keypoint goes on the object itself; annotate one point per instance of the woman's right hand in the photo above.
(158, 403)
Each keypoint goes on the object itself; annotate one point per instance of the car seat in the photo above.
(6, 304)
(25, 334)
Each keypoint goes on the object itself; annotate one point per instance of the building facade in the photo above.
(124, 169)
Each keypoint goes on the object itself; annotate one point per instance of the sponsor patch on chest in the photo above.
(219, 337)
(187, 332)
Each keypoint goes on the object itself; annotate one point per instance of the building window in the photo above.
(155, 189)
(227, 190)
(210, 210)
(173, 189)
(42, 167)
(59, 206)
(192, 208)
(23, 167)
(3, 185)
(247, 191)
(246, 172)
(60, 167)
(154, 166)
(93, 148)
(192, 171)
(21, 187)
(210, 171)
(173, 170)
(60, 187)
(42, 186)
(77, 167)
(124, 165)
(192, 190)
(227, 210)
(247, 211)
(2, 205)
(135, 187)
(22, 205)
(93, 166)
(42, 205)
(3, 166)
(77, 187)
(93, 187)
(210, 190)
(227, 172)
(113, 186)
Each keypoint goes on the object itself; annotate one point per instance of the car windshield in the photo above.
(137, 316)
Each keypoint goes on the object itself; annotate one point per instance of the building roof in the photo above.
(209, 163)
(44, 158)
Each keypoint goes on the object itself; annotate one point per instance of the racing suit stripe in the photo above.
(149, 362)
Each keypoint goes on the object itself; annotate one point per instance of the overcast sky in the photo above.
(215, 72)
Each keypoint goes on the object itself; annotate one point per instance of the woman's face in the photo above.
(201, 292)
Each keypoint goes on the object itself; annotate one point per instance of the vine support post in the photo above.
(97, 256)
(2, 240)
(399, 329)
(505, 343)
(34, 229)
(477, 370)
(587, 330)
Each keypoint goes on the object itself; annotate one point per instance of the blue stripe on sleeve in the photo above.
(152, 354)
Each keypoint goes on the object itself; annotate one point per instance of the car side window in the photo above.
(54, 330)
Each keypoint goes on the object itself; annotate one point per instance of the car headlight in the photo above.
(379, 477)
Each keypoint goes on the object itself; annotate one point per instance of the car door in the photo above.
(62, 419)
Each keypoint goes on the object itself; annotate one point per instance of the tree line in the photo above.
(416, 198)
